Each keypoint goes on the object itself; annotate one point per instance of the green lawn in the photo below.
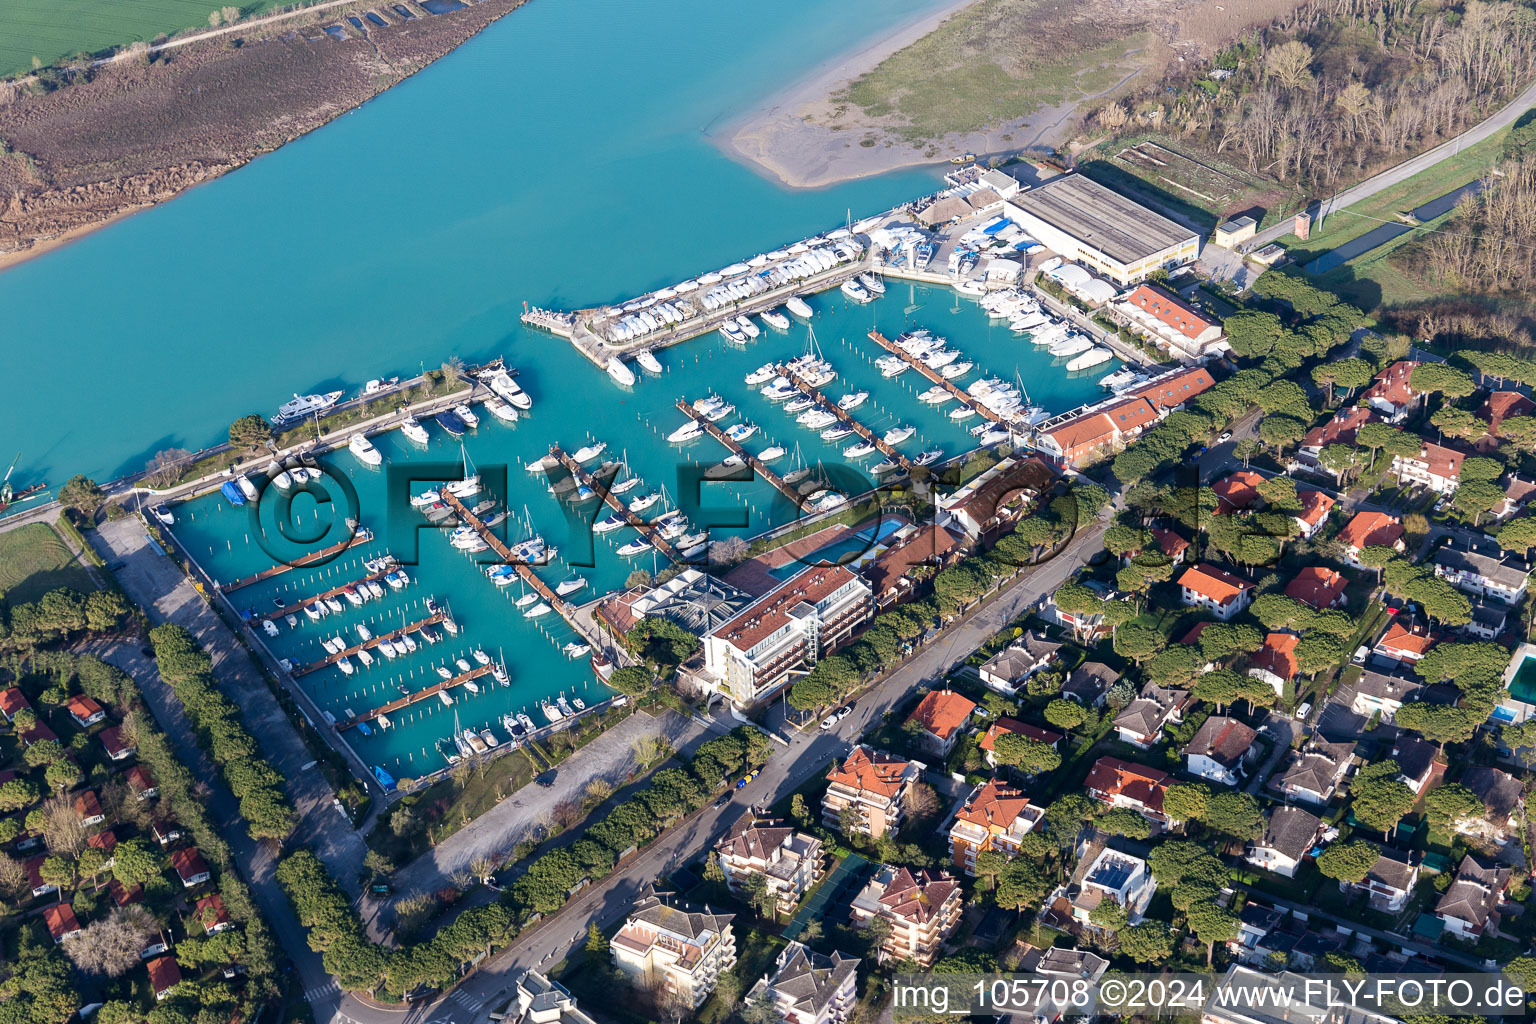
(35, 560)
(48, 30)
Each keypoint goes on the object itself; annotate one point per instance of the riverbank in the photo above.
(140, 132)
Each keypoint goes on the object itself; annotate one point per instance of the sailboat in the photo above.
(469, 485)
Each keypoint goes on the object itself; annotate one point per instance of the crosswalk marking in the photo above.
(315, 992)
(464, 999)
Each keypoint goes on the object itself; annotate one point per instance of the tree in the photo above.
(1066, 816)
(989, 865)
(1476, 498)
(1138, 642)
(1289, 64)
(1316, 651)
(1348, 862)
(1245, 449)
(1380, 798)
(1186, 801)
(1109, 916)
(758, 896)
(597, 942)
(1449, 804)
(1027, 754)
(166, 467)
(1180, 860)
(633, 680)
(1280, 431)
(110, 947)
(1375, 436)
(249, 432)
(1150, 942)
(1065, 714)
(1123, 821)
(1212, 923)
(1443, 378)
(81, 494)
(1022, 884)
(1238, 815)
(135, 862)
(1518, 535)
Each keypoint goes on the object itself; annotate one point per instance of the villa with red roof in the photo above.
(190, 867)
(1174, 326)
(1401, 644)
(85, 711)
(1005, 725)
(1275, 662)
(1319, 587)
(1127, 784)
(1237, 491)
(61, 921)
(13, 700)
(117, 748)
(1370, 530)
(210, 913)
(942, 715)
(1390, 394)
(1436, 467)
(1216, 590)
(1500, 406)
(164, 976)
(1315, 506)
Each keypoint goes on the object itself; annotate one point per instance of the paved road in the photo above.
(807, 754)
(1408, 168)
(1281, 732)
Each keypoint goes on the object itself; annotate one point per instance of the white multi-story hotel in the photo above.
(783, 633)
(679, 952)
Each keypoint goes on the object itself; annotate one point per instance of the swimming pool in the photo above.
(841, 552)
(1523, 686)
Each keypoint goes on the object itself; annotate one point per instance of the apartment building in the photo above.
(875, 785)
(791, 861)
(679, 952)
(922, 909)
(1502, 578)
(806, 987)
(1174, 326)
(996, 816)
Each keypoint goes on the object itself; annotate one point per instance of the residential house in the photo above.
(1341, 429)
(996, 816)
(1389, 883)
(922, 908)
(85, 711)
(1500, 406)
(1216, 590)
(38, 733)
(892, 573)
(1315, 507)
(1170, 543)
(1174, 389)
(106, 842)
(940, 717)
(1254, 923)
(1087, 624)
(1140, 721)
(672, 950)
(1502, 579)
(1470, 906)
(61, 922)
(1403, 644)
(806, 987)
(1390, 394)
(210, 913)
(1222, 750)
(791, 861)
(1089, 683)
(1097, 432)
(1288, 838)
(1057, 962)
(117, 748)
(1435, 467)
(1418, 761)
(1009, 669)
(142, 783)
(190, 867)
(13, 700)
(990, 504)
(541, 1001)
(1005, 725)
(874, 785)
(1378, 694)
(1238, 491)
(165, 831)
(35, 876)
(1370, 530)
(1314, 773)
(1490, 618)
(1114, 876)
(1120, 783)
(1173, 325)
(767, 645)
(1503, 799)
(164, 976)
(1319, 587)
(88, 808)
(1275, 662)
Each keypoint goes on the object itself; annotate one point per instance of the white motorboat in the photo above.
(451, 627)
(731, 333)
(386, 648)
(499, 673)
(365, 658)
(366, 453)
(935, 395)
(619, 370)
(852, 401)
(462, 664)
(1119, 378)
(610, 524)
(445, 671)
(501, 382)
(527, 600)
(292, 620)
(480, 656)
(741, 431)
(648, 361)
(625, 486)
(540, 465)
(856, 292)
(305, 405)
(689, 431)
(375, 589)
(551, 712)
(589, 452)
(163, 514)
(797, 405)
(858, 451)
(828, 502)
(773, 318)
(816, 419)
(537, 610)
(956, 370)
(571, 585)
(345, 665)
(426, 499)
(971, 287)
(635, 547)
(564, 707)
(246, 487)
(500, 409)
(762, 375)
(779, 391)
(1071, 345)
(363, 632)
(896, 435)
(413, 430)
(644, 502)
(720, 411)
(771, 454)
(928, 457)
(963, 412)
(576, 650)
(465, 413)
(941, 358)
(747, 327)
(445, 697)
(891, 366)
(1093, 357)
(269, 627)
(836, 433)
(798, 306)
(334, 605)
(872, 283)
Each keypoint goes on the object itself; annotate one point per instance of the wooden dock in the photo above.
(326, 662)
(614, 502)
(362, 536)
(299, 606)
(933, 375)
(757, 464)
(846, 419)
(419, 695)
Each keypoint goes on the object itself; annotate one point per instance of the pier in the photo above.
(298, 606)
(541, 588)
(362, 536)
(757, 464)
(406, 701)
(933, 375)
(846, 419)
(327, 661)
(614, 502)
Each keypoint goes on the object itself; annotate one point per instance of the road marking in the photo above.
(317, 992)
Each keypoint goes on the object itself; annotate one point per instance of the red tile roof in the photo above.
(1172, 392)
(1113, 777)
(61, 921)
(927, 546)
(1391, 384)
(1239, 490)
(1315, 506)
(769, 613)
(1007, 725)
(12, 701)
(1172, 311)
(942, 712)
(1399, 638)
(1441, 461)
(1372, 529)
(918, 897)
(211, 912)
(188, 863)
(140, 779)
(1317, 586)
(994, 804)
(1278, 655)
(1501, 405)
(163, 974)
(1341, 429)
(112, 740)
(83, 708)
(105, 841)
(1212, 583)
(86, 804)
(870, 771)
(1172, 544)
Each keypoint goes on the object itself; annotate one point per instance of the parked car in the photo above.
(1226, 435)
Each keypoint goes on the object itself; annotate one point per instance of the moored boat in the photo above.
(619, 370)
(798, 306)
(364, 450)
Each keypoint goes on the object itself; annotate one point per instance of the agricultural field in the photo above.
(1201, 190)
(36, 33)
(34, 560)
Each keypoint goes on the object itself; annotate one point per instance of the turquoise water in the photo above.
(842, 552)
(560, 158)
